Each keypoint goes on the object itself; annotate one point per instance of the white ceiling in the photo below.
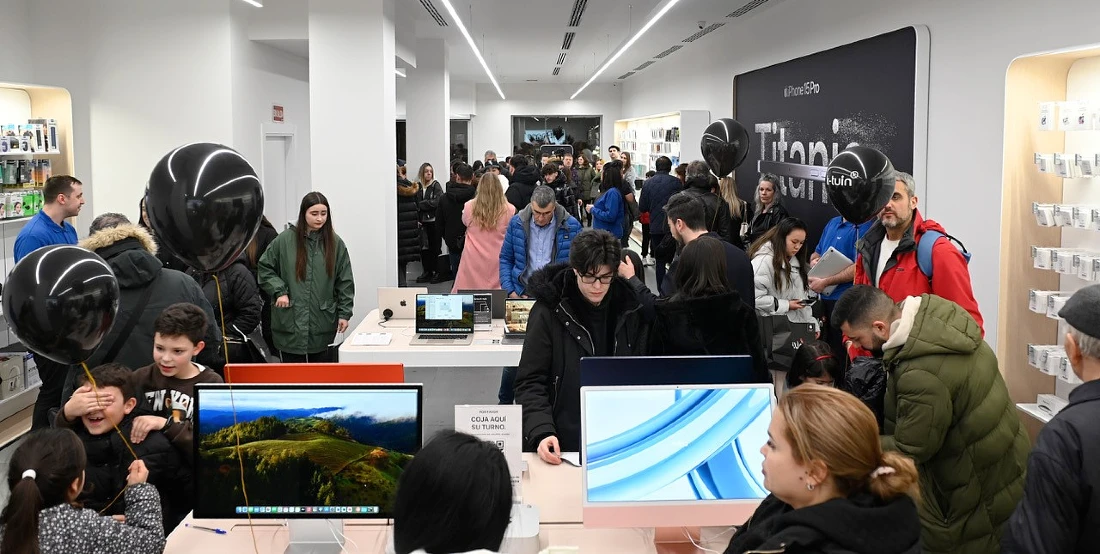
(521, 40)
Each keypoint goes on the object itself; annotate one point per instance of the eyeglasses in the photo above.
(591, 279)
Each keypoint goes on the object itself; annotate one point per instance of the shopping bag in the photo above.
(782, 337)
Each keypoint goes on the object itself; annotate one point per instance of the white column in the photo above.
(353, 134)
(427, 105)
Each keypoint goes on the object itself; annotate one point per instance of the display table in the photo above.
(482, 353)
(555, 490)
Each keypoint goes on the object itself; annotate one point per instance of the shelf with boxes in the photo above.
(1050, 244)
(650, 137)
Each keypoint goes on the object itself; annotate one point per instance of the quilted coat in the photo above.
(948, 408)
(513, 254)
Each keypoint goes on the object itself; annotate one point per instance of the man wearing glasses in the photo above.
(582, 309)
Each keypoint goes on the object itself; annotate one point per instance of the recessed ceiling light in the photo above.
(657, 16)
(470, 40)
(257, 3)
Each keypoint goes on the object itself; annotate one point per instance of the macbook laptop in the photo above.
(444, 320)
(516, 311)
(399, 302)
(498, 299)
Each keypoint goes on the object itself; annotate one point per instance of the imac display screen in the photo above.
(675, 443)
(308, 450)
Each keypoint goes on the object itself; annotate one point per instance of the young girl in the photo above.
(45, 476)
(308, 272)
(815, 363)
(486, 219)
(780, 265)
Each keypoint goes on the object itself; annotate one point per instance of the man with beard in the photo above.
(887, 254)
(948, 409)
(686, 218)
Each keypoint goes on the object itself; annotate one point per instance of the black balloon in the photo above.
(860, 181)
(204, 203)
(725, 146)
(60, 301)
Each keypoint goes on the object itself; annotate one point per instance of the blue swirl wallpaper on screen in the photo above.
(675, 444)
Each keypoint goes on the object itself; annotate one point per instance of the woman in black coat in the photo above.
(705, 317)
(408, 226)
(260, 241)
(769, 210)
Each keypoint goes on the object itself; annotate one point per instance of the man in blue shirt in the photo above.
(842, 235)
(63, 197)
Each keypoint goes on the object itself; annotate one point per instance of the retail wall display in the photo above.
(803, 112)
(648, 138)
(1050, 221)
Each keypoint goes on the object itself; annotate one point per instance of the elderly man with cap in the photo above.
(1060, 511)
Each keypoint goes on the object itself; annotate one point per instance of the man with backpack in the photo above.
(906, 255)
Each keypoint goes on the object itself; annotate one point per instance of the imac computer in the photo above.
(673, 455)
(666, 370)
(313, 455)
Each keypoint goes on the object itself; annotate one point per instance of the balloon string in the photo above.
(95, 389)
(233, 406)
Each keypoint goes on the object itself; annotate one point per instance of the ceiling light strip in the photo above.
(398, 72)
(256, 3)
(470, 40)
(656, 17)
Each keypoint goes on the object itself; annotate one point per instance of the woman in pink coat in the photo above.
(486, 219)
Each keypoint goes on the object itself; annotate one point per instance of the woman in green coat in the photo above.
(306, 269)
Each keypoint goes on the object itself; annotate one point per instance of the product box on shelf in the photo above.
(1086, 266)
(1045, 162)
(1044, 214)
(31, 377)
(1037, 354)
(1051, 404)
(11, 374)
(1048, 115)
(1055, 303)
(1040, 256)
(1063, 215)
(1088, 164)
(1065, 372)
(1054, 362)
(1038, 300)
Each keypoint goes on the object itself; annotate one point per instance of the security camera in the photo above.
(702, 24)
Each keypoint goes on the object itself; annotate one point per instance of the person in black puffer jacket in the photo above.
(522, 183)
(241, 302)
(572, 319)
(701, 184)
(408, 225)
(166, 258)
(824, 456)
(449, 216)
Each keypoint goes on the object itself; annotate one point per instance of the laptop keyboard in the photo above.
(442, 337)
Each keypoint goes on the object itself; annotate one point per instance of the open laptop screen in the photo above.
(516, 311)
(444, 313)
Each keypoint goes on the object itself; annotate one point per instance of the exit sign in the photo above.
(277, 114)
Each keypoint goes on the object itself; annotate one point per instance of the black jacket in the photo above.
(866, 380)
(739, 273)
(264, 235)
(717, 209)
(709, 326)
(737, 217)
(241, 300)
(655, 194)
(449, 217)
(109, 462)
(548, 378)
(521, 185)
(408, 226)
(427, 201)
(1060, 512)
(762, 222)
(857, 525)
(129, 250)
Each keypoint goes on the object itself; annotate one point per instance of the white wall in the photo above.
(972, 44)
(264, 76)
(491, 129)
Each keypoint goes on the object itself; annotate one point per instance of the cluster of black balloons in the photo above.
(205, 202)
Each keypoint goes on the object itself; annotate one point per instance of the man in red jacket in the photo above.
(887, 255)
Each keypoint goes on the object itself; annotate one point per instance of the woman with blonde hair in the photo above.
(740, 211)
(486, 218)
(833, 489)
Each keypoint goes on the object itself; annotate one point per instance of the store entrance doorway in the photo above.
(280, 191)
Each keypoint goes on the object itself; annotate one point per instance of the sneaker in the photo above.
(648, 260)
(441, 278)
(425, 277)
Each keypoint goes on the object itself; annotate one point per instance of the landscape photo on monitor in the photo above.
(335, 447)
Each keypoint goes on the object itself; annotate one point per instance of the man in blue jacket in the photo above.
(540, 234)
(655, 194)
(63, 197)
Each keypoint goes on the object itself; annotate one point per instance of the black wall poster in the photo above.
(806, 110)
